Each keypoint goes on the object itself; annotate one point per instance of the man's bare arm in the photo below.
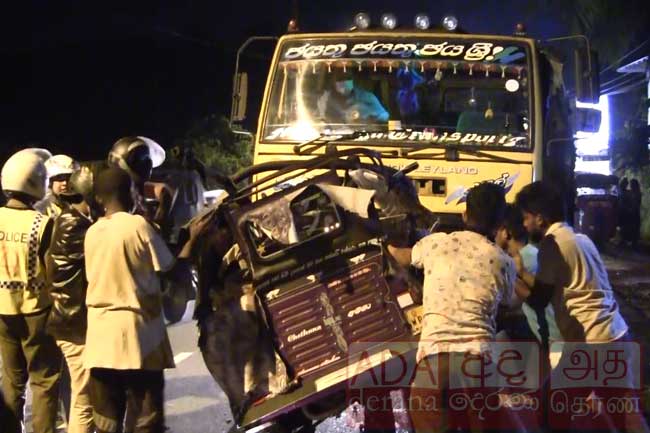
(522, 289)
(401, 255)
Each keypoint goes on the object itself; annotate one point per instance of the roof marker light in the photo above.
(450, 22)
(292, 27)
(520, 29)
(389, 21)
(362, 20)
(422, 21)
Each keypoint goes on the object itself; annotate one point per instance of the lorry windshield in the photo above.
(440, 90)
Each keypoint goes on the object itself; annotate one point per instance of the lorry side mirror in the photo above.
(239, 98)
(588, 119)
(587, 75)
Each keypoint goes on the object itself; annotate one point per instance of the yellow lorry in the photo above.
(449, 108)
(466, 107)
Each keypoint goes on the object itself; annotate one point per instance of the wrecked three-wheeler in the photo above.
(297, 293)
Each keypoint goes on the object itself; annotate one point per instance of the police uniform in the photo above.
(24, 304)
(49, 206)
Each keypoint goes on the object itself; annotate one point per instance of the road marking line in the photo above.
(182, 357)
(189, 311)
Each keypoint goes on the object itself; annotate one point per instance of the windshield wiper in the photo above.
(302, 149)
(451, 153)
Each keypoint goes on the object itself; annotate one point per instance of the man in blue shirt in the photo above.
(348, 103)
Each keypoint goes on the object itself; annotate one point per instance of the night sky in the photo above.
(76, 74)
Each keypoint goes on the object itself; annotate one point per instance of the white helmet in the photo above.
(60, 164)
(25, 172)
(155, 150)
(44, 154)
(136, 155)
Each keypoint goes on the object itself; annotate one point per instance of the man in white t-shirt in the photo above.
(572, 277)
(466, 277)
(570, 274)
(127, 347)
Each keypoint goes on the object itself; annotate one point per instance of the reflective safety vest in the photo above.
(49, 206)
(22, 273)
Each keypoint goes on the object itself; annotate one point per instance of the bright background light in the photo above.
(600, 167)
(594, 143)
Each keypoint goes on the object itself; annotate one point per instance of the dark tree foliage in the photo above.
(216, 145)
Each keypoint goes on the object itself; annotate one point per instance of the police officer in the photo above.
(27, 351)
(59, 168)
(67, 277)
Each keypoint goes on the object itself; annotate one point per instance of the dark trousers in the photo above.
(110, 390)
(29, 353)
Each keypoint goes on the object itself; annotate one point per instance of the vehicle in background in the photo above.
(597, 204)
(187, 199)
(212, 196)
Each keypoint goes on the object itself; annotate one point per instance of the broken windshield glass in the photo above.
(298, 217)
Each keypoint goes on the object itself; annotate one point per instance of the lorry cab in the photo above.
(468, 108)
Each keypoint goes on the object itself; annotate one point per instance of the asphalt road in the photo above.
(193, 401)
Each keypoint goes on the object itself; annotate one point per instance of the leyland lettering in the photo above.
(437, 169)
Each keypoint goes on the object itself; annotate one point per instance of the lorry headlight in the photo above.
(389, 21)
(422, 21)
(450, 22)
(362, 20)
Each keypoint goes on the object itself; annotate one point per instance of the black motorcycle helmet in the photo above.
(81, 183)
(81, 186)
(137, 156)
